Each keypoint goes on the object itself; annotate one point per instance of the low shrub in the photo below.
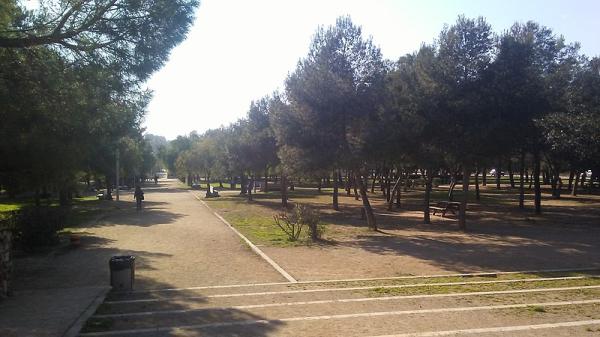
(302, 216)
(38, 226)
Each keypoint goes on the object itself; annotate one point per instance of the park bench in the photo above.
(212, 192)
(444, 207)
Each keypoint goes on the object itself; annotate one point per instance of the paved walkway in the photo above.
(177, 242)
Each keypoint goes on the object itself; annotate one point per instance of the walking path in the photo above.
(177, 242)
(195, 276)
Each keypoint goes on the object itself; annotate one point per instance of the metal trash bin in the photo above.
(122, 272)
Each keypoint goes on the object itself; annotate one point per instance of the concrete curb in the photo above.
(74, 329)
(257, 250)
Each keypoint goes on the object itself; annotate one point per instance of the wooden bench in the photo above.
(445, 207)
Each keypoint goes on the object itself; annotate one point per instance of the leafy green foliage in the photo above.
(134, 36)
(38, 226)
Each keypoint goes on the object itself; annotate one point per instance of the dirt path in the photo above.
(177, 242)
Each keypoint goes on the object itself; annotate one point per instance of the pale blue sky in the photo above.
(240, 50)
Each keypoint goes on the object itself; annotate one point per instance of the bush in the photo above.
(38, 226)
(292, 225)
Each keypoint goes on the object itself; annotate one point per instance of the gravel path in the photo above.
(177, 242)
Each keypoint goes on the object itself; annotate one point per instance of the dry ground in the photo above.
(500, 236)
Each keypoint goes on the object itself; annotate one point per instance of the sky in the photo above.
(240, 50)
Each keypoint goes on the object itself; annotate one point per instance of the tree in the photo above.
(530, 78)
(331, 95)
(135, 35)
(465, 52)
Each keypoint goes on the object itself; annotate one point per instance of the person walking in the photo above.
(138, 195)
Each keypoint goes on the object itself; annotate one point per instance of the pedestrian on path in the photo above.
(138, 195)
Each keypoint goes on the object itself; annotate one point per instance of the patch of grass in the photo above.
(446, 289)
(254, 221)
(7, 206)
(537, 308)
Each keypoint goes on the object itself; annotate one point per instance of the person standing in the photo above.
(138, 195)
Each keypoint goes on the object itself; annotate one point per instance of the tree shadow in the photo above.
(87, 267)
(152, 213)
(483, 251)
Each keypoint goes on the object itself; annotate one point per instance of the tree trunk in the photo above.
(511, 175)
(536, 183)
(266, 188)
(250, 187)
(462, 214)
(373, 182)
(243, 184)
(320, 185)
(484, 177)
(556, 182)
(427, 198)
(108, 189)
(398, 193)
(388, 186)
(355, 191)
(396, 189)
(371, 221)
(521, 180)
(335, 190)
(232, 185)
(477, 195)
(451, 189)
(406, 182)
(498, 176)
(574, 188)
(284, 198)
(348, 183)
(571, 176)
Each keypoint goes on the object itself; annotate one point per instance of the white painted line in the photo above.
(346, 289)
(341, 316)
(348, 300)
(478, 274)
(273, 264)
(497, 329)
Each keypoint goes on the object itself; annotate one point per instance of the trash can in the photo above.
(122, 272)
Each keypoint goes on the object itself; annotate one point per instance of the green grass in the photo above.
(537, 308)
(446, 289)
(82, 210)
(255, 223)
(9, 205)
